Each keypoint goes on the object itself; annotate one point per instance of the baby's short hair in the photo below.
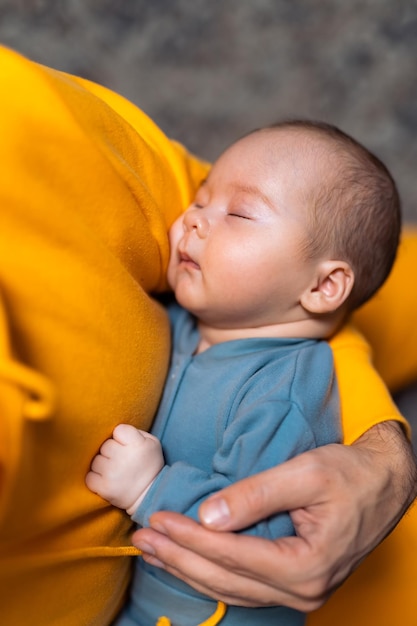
(356, 212)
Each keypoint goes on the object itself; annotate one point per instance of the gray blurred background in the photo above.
(207, 71)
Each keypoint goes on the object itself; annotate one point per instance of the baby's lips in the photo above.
(184, 257)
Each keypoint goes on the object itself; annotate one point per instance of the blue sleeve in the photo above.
(266, 430)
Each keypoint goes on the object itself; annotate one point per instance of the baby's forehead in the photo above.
(304, 149)
(317, 156)
(279, 159)
(310, 141)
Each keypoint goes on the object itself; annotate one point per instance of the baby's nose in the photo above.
(196, 220)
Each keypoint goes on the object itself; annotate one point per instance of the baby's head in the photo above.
(354, 207)
(295, 223)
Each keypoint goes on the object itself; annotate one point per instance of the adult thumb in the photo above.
(287, 487)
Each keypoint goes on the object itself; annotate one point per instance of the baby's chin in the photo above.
(183, 300)
(188, 303)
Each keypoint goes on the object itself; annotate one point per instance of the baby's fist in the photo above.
(125, 467)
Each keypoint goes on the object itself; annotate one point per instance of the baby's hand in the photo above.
(125, 467)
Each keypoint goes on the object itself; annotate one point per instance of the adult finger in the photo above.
(286, 487)
(238, 569)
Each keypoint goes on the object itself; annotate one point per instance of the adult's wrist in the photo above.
(388, 447)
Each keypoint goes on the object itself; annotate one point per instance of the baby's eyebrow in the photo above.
(200, 187)
(255, 191)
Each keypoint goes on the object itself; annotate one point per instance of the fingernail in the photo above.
(144, 547)
(215, 512)
(158, 527)
(153, 561)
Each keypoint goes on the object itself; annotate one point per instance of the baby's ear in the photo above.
(332, 286)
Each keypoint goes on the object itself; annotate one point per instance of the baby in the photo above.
(296, 225)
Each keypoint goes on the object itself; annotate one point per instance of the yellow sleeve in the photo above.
(365, 399)
(88, 187)
(388, 357)
(389, 320)
(382, 590)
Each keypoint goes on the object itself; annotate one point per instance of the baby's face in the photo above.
(236, 253)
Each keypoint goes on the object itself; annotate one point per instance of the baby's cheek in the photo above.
(171, 274)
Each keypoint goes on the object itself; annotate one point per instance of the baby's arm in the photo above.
(125, 467)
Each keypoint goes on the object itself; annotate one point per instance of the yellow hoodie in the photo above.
(85, 205)
(89, 187)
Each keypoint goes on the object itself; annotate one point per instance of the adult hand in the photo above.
(343, 501)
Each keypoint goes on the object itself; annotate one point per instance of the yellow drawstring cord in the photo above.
(211, 621)
(40, 401)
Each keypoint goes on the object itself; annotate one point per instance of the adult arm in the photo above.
(355, 494)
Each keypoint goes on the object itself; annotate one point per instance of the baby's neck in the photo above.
(313, 328)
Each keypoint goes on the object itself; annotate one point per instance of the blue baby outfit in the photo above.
(236, 409)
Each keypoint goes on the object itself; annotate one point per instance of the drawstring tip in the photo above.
(214, 619)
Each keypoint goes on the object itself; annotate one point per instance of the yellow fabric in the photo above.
(365, 399)
(382, 590)
(88, 189)
(389, 320)
(85, 205)
(217, 616)
(213, 620)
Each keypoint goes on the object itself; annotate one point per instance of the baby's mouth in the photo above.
(185, 259)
